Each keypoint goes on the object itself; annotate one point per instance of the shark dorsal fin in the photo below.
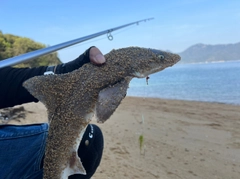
(46, 88)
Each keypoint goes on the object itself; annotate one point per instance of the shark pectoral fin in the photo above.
(46, 88)
(110, 98)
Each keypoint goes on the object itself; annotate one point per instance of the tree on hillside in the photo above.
(11, 45)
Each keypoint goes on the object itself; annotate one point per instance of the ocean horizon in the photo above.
(217, 82)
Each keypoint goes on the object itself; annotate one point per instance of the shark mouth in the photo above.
(147, 73)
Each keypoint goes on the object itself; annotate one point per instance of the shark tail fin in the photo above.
(76, 166)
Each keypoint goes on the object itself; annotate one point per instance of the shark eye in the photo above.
(161, 56)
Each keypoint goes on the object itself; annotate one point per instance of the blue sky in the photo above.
(178, 24)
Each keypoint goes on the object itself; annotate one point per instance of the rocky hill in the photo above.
(209, 53)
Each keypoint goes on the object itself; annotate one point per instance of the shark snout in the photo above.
(166, 57)
(177, 58)
(157, 61)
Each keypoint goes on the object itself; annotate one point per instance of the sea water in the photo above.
(210, 82)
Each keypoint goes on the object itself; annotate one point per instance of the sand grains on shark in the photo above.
(73, 98)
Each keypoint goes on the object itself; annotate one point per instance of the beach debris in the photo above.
(73, 98)
(141, 140)
(12, 113)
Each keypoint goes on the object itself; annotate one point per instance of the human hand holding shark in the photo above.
(73, 98)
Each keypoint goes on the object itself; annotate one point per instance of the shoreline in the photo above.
(212, 102)
(37, 113)
(181, 139)
(207, 62)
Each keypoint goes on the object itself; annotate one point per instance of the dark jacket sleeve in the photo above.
(11, 90)
(11, 79)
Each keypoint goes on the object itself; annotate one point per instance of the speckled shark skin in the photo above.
(73, 98)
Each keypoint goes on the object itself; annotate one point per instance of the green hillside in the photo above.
(12, 45)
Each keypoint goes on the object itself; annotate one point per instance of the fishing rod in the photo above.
(37, 53)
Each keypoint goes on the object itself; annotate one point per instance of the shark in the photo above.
(72, 99)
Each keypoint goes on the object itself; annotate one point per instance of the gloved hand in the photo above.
(93, 55)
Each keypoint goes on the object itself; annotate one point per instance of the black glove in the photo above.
(70, 66)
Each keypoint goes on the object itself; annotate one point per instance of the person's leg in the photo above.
(22, 150)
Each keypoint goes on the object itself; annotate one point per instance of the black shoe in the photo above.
(90, 151)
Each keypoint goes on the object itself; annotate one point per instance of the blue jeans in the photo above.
(22, 151)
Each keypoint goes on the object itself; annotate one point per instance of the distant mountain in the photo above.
(209, 53)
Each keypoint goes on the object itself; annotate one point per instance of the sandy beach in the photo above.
(182, 139)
